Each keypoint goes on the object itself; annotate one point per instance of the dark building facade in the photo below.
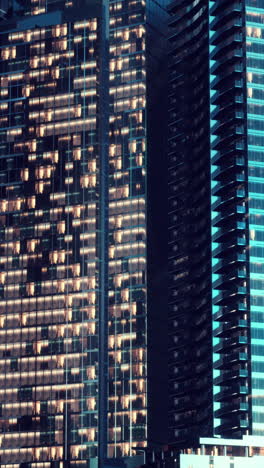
(3, 8)
(190, 324)
(216, 219)
(77, 339)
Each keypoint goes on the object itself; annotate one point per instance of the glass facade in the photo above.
(255, 135)
(51, 206)
(231, 315)
(127, 228)
(229, 306)
(237, 71)
(73, 230)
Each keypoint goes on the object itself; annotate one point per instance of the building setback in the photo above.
(78, 348)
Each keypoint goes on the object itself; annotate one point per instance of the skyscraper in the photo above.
(216, 154)
(237, 185)
(190, 322)
(77, 385)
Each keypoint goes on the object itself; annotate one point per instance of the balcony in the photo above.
(180, 12)
(233, 261)
(228, 248)
(228, 177)
(229, 199)
(232, 73)
(223, 16)
(226, 329)
(227, 344)
(222, 220)
(223, 125)
(230, 312)
(230, 359)
(231, 392)
(224, 233)
(236, 149)
(232, 57)
(227, 377)
(228, 408)
(217, 7)
(227, 44)
(230, 280)
(231, 108)
(225, 30)
(226, 92)
(228, 138)
(232, 424)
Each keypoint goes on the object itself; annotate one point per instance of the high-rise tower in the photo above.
(216, 165)
(190, 323)
(237, 188)
(77, 340)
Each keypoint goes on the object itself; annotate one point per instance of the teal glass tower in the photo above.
(255, 168)
(217, 64)
(237, 206)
